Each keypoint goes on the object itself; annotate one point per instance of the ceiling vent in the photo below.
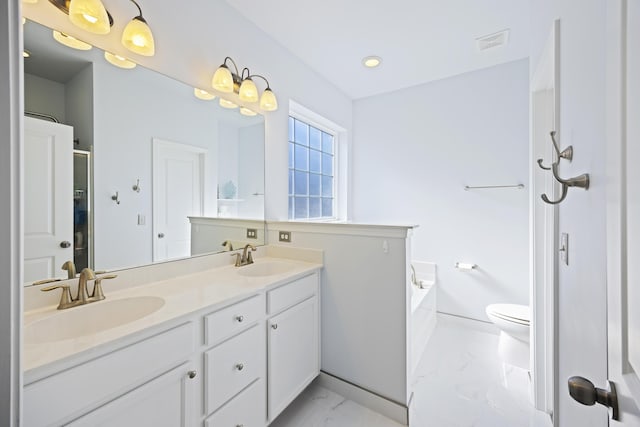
(493, 40)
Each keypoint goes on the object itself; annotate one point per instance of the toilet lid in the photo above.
(511, 312)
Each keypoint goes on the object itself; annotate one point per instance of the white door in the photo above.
(48, 207)
(623, 210)
(178, 192)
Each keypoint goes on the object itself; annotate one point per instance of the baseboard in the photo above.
(379, 404)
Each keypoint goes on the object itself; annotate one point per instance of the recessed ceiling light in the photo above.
(371, 61)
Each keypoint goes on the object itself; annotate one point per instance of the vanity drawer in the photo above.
(233, 319)
(292, 293)
(75, 391)
(233, 365)
(248, 409)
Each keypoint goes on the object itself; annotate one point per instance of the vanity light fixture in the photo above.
(70, 41)
(137, 36)
(227, 81)
(247, 112)
(371, 61)
(119, 61)
(203, 94)
(225, 103)
(90, 15)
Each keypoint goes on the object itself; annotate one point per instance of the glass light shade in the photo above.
(227, 104)
(268, 101)
(222, 80)
(203, 94)
(119, 61)
(90, 15)
(137, 37)
(248, 91)
(26, 53)
(69, 41)
(247, 112)
(30, 1)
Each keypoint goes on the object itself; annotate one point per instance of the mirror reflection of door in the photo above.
(48, 212)
(178, 188)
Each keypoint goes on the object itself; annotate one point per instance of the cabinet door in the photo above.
(163, 401)
(293, 360)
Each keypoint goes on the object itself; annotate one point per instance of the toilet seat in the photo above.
(515, 313)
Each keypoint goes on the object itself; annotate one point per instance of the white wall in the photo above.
(251, 172)
(414, 152)
(582, 284)
(44, 96)
(364, 302)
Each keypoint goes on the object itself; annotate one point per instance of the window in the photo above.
(312, 165)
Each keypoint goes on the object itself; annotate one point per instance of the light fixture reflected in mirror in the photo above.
(69, 41)
(225, 103)
(90, 15)
(26, 53)
(247, 112)
(119, 61)
(137, 36)
(203, 94)
(224, 80)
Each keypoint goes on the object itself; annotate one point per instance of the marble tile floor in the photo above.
(459, 382)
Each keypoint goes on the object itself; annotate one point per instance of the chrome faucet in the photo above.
(82, 297)
(246, 258)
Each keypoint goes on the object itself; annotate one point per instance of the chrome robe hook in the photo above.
(581, 181)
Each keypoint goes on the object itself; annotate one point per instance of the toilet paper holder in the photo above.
(465, 266)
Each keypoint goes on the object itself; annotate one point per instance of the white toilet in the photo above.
(514, 322)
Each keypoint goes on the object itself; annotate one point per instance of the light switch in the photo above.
(141, 219)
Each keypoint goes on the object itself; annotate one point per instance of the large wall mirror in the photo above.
(121, 165)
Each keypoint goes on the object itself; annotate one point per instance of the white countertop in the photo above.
(183, 295)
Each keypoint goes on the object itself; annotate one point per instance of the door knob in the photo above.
(583, 391)
(65, 244)
(160, 235)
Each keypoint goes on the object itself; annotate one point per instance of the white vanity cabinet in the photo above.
(148, 379)
(293, 341)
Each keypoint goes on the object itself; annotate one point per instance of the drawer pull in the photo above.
(240, 366)
(240, 318)
(192, 374)
(274, 326)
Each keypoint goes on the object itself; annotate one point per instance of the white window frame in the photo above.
(340, 167)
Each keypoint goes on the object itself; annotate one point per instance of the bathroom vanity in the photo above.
(224, 346)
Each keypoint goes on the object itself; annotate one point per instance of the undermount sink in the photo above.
(268, 268)
(91, 319)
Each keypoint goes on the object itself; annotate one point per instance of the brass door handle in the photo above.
(582, 390)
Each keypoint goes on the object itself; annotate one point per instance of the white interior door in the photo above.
(623, 210)
(48, 211)
(178, 192)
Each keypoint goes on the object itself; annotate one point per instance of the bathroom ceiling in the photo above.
(419, 40)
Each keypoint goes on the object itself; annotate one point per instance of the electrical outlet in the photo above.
(284, 236)
(252, 233)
